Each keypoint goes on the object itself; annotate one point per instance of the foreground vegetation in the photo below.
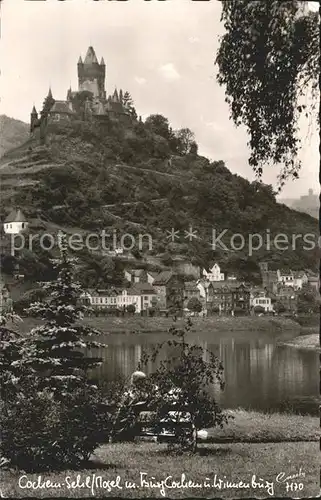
(233, 462)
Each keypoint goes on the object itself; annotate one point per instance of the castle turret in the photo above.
(69, 94)
(115, 96)
(33, 119)
(91, 74)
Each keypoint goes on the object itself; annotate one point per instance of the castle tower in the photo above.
(33, 119)
(264, 267)
(91, 74)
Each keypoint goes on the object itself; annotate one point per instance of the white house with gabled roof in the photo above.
(15, 222)
(214, 274)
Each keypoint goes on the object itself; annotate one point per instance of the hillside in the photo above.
(132, 180)
(308, 204)
(12, 133)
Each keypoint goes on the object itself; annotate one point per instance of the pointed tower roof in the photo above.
(34, 111)
(49, 92)
(102, 62)
(69, 93)
(16, 215)
(120, 95)
(90, 56)
(115, 95)
(80, 60)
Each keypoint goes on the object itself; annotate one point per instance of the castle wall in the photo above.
(91, 85)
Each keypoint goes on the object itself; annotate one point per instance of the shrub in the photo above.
(259, 310)
(194, 305)
(40, 433)
(131, 308)
(184, 383)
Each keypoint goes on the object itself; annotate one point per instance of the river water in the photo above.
(258, 373)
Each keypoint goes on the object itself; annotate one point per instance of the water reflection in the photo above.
(258, 374)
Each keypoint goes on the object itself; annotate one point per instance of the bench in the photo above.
(141, 423)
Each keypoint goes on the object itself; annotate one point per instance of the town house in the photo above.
(169, 289)
(228, 296)
(214, 274)
(136, 275)
(261, 298)
(191, 290)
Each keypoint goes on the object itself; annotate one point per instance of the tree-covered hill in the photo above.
(144, 178)
(12, 133)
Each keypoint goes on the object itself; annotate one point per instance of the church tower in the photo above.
(91, 74)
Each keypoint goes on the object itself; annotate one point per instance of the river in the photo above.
(259, 374)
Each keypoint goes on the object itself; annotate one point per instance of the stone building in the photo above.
(89, 102)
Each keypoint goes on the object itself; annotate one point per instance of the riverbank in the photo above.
(309, 342)
(138, 324)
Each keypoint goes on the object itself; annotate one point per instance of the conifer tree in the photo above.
(55, 351)
(51, 415)
(129, 104)
(9, 352)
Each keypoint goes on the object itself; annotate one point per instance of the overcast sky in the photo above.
(161, 51)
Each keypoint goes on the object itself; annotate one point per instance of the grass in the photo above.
(253, 443)
(311, 341)
(234, 462)
(137, 324)
(259, 427)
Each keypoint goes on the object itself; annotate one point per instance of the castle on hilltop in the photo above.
(89, 102)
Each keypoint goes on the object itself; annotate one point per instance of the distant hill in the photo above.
(308, 204)
(12, 133)
(130, 179)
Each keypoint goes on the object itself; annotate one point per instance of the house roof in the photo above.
(190, 285)
(163, 277)
(285, 272)
(110, 292)
(313, 278)
(229, 285)
(141, 289)
(136, 272)
(285, 290)
(61, 107)
(298, 274)
(15, 215)
(153, 273)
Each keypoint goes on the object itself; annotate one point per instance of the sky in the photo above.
(162, 52)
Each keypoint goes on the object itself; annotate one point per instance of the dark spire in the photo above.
(102, 62)
(90, 56)
(34, 111)
(69, 94)
(80, 60)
